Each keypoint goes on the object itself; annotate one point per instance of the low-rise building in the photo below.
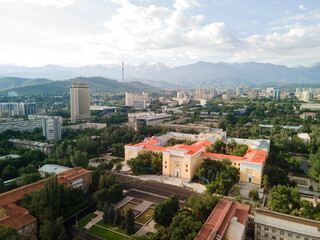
(275, 225)
(310, 106)
(104, 109)
(86, 125)
(307, 115)
(51, 168)
(182, 161)
(227, 221)
(304, 137)
(20, 218)
(46, 148)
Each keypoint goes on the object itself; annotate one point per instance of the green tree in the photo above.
(2, 186)
(8, 233)
(202, 205)
(165, 211)
(9, 172)
(265, 182)
(284, 199)
(254, 194)
(184, 226)
(314, 170)
(111, 214)
(119, 167)
(129, 222)
(117, 217)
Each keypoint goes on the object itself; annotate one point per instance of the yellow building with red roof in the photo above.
(182, 161)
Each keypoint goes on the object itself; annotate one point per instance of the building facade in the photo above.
(19, 108)
(79, 101)
(51, 128)
(46, 148)
(280, 226)
(183, 161)
(132, 98)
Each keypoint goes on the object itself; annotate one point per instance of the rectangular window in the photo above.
(266, 235)
(297, 236)
(281, 239)
(165, 166)
(258, 234)
(26, 227)
(306, 238)
(186, 170)
(258, 226)
(266, 228)
(20, 231)
(281, 233)
(289, 234)
(274, 230)
(273, 237)
(186, 165)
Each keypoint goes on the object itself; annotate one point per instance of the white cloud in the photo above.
(301, 7)
(185, 4)
(39, 35)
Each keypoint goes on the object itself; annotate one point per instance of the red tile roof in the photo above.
(219, 219)
(16, 216)
(255, 156)
(16, 194)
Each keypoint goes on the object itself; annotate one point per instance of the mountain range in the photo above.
(45, 86)
(200, 74)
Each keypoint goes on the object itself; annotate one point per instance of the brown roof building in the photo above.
(227, 221)
(20, 218)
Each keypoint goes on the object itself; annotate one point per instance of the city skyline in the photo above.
(176, 32)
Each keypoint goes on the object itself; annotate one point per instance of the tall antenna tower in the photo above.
(122, 70)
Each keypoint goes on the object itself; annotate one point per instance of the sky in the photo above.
(174, 32)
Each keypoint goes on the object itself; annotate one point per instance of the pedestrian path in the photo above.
(94, 220)
(143, 206)
(123, 202)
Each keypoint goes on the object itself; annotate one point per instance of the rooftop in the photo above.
(16, 216)
(216, 226)
(53, 168)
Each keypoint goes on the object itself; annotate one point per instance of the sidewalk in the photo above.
(94, 220)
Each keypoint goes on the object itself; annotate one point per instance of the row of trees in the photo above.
(114, 217)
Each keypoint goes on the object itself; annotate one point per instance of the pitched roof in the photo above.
(222, 156)
(16, 216)
(255, 156)
(16, 194)
(217, 223)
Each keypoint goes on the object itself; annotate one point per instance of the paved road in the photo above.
(162, 189)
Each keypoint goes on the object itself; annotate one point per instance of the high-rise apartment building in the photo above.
(79, 101)
(51, 128)
(19, 108)
(132, 98)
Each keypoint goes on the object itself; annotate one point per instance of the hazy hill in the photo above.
(200, 74)
(97, 85)
(9, 82)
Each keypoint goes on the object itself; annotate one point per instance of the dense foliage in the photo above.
(146, 163)
(220, 175)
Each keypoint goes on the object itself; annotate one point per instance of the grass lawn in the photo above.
(117, 229)
(127, 206)
(84, 221)
(136, 200)
(105, 234)
(145, 217)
